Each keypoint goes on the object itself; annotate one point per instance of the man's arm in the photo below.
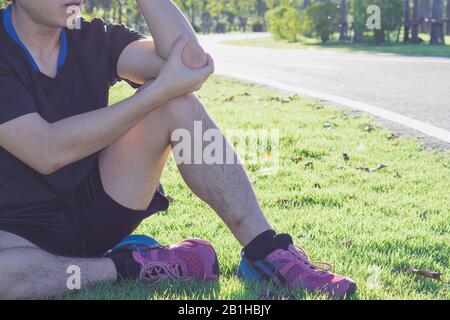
(139, 62)
(48, 147)
(166, 24)
(142, 60)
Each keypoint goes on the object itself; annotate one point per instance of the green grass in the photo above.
(394, 218)
(423, 49)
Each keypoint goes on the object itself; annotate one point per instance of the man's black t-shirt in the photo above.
(81, 85)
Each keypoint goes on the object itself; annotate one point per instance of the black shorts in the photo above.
(86, 222)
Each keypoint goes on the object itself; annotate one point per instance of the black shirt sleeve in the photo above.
(119, 37)
(15, 101)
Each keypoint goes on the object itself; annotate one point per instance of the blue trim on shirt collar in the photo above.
(12, 32)
(62, 50)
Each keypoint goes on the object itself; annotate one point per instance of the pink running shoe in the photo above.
(191, 259)
(292, 268)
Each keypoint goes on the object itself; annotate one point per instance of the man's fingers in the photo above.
(178, 46)
(211, 64)
(207, 70)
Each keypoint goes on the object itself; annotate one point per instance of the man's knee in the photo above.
(184, 109)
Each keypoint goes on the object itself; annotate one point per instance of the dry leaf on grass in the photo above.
(309, 165)
(377, 168)
(346, 157)
(424, 273)
(284, 99)
(424, 215)
(392, 136)
(346, 242)
(230, 99)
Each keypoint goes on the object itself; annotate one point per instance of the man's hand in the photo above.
(176, 79)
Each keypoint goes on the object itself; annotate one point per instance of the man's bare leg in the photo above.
(130, 169)
(27, 272)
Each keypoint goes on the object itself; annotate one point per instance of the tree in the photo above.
(343, 34)
(192, 9)
(322, 19)
(448, 17)
(437, 25)
(358, 8)
(407, 22)
(417, 19)
(391, 18)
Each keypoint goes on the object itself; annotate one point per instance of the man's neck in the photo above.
(37, 38)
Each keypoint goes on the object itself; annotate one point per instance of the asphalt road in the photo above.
(415, 87)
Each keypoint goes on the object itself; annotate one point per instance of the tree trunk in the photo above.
(416, 22)
(380, 36)
(193, 14)
(425, 15)
(448, 17)
(306, 4)
(358, 37)
(343, 36)
(120, 11)
(407, 21)
(437, 25)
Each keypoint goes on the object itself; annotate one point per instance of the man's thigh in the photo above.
(10, 241)
(131, 167)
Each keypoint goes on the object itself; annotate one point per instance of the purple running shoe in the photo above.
(292, 268)
(191, 259)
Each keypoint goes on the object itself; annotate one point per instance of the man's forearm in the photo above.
(80, 136)
(166, 24)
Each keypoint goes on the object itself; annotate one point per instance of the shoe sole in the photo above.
(216, 268)
(351, 289)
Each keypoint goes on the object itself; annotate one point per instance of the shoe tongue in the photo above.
(282, 241)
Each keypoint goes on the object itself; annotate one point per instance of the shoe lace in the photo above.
(156, 272)
(301, 255)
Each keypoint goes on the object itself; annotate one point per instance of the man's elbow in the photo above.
(194, 56)
(48, 163)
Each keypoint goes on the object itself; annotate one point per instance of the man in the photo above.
(77, 177)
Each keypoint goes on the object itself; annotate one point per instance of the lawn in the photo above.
(370, 225)
(423, 49)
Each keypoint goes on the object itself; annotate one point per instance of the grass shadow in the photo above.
(268, 291)
(133, 290)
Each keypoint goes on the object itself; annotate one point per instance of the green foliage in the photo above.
(284, 22)
(391, 17)
(322, 20)
(3, 3)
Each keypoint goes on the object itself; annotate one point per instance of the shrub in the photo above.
(322, 20)
(284, 23)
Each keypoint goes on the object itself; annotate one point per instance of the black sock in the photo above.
(266, 243)
(126, 266)
(281, 241)
(260, 247)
